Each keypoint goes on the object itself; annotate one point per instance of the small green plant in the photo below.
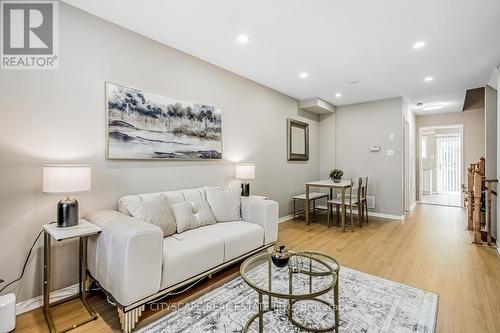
(336, 174)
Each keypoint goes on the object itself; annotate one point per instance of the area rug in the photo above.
(367, 304)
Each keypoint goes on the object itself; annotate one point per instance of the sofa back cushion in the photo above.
(189, 195)
(156, 211)
(192, 215)
(225, 203)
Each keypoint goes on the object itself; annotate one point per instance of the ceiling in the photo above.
(361, 49)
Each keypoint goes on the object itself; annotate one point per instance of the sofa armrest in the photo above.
(264, 213)
(126, 257)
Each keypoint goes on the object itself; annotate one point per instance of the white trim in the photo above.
(374, 214)
(498, 250)
(385, 216)
(37, 302)
(285, 218)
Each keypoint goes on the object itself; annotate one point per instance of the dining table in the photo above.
(342, 185)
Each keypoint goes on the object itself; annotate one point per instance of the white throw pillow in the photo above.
(156, 211)
(225, 203)
(192, 215)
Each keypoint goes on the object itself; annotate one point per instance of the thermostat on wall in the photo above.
(374, 148)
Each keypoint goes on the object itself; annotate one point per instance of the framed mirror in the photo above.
(297, 140)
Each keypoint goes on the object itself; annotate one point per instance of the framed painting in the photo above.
(297, 140)
(142, 125)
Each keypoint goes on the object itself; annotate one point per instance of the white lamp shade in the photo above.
(66, 178)
(244, 171)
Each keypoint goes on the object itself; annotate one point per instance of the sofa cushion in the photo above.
(192, 215)
(239, 237)
(194, 194)
(156, 211)
(225, 203)
(188, 254)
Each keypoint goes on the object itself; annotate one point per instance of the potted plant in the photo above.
(336, 175)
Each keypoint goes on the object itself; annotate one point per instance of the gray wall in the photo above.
(410, 186)
(356, 127)
(59, 116)
(326, 145)
(490, 146)
(498, 159)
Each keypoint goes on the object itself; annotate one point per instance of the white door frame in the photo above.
(419, 152)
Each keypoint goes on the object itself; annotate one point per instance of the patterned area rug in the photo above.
(367, 304)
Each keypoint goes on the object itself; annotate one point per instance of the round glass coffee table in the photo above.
(307, 276)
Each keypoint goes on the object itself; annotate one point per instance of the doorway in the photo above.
(441, 165)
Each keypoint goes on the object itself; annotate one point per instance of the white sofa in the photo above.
(135, 264)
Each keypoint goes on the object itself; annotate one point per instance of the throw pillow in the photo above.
(156, 211)
(192, 215)
(225, 203)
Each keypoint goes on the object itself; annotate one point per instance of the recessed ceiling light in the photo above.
(338, 95)
(432, 107)
(428, 79)
(418, 45)
(303, 75)
(243, 39)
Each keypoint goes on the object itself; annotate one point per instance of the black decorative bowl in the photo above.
(280, 257)
(280, 262)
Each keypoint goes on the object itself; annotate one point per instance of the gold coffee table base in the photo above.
(294, 298)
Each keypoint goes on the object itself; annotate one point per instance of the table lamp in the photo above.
(66, 179)
(245, 172)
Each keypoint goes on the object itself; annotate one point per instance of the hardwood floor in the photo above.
(428, 250)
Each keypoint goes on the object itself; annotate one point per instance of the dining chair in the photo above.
(313, 196)
(349, 201)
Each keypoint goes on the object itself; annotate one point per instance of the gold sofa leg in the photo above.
(130, 318)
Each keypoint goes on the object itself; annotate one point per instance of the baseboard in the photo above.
(386, 216)
(285, 218)
(37, 302)
(374, 214)
(355, 212)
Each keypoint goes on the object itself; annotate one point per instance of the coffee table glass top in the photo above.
(307, 274)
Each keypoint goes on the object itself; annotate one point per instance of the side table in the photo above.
(80, 231)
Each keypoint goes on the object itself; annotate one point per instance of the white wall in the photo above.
(356, 127)
(59, 116)
(490, 146)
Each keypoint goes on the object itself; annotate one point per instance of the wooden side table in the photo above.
(80, 231)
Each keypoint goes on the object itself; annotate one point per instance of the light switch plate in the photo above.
(374, 148)
(392, 136)
(390, 152)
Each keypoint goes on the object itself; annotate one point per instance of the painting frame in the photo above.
(108, 154)
(291, 156)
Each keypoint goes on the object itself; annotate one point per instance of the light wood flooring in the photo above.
(428, 250)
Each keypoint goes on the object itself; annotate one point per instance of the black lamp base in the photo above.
(67, 213)
(245, 189)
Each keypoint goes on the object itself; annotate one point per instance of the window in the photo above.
(423, 146)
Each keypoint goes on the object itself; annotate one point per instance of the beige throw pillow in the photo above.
(156, 211)
(225, 203)
(192, 215)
